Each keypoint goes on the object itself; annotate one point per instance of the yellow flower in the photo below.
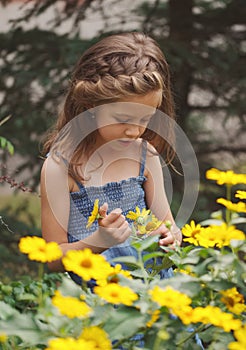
(191, 231)
(138, 216)
(233, 300)
(149, 227)
(3, 337)
(116, 294)
(38, 249)
(71, 344)
(240, 194)
(154, 317)
(178, 303)
(186, 271)
(239, 207)
(94, 214)
(114, 275)
(219, 235)
(97, 336)
(169, 297)
(240, 344)
(86, 264)
(69, 306)
(214, 315)
(225, 177)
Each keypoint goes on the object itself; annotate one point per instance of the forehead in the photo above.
(136, 106)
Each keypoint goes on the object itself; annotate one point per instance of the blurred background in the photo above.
(204, 42)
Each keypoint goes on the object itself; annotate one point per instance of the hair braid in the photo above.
(117, 67)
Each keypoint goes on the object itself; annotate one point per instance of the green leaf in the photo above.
(124, 323)
(126, 259)
(3, 141)
(14, 323)
(144, 244)
(152, 255)
(10, 148)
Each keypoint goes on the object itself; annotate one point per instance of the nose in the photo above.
(133, 130)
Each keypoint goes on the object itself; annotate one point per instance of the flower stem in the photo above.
(40, 277)
(228, 197)
(191, 335)
(141, 265)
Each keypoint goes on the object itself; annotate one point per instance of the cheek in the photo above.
(109, 131)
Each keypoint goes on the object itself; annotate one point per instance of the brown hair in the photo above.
(118, 66)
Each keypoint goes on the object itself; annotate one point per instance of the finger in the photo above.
(117, 223)
(161, 230)
(169, 239)
(103, 210)
(111, 218)
(125, 232)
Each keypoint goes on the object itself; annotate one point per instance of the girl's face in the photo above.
(126, 120)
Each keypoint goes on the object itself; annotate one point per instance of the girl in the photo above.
(105, 146)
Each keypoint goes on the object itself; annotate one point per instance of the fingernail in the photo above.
(117, 211)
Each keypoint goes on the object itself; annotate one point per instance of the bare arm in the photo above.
(55, 208)
(157, 201)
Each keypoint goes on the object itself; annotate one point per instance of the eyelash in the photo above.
(128, 121)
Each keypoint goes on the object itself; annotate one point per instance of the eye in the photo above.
(145, 120)
(121, 120)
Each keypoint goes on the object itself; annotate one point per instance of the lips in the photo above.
(125, 142)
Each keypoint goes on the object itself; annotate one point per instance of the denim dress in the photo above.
(124, 194)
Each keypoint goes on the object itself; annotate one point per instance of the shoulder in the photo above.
(54, 171)
(153, 161)
(152, 156)
(52, 167)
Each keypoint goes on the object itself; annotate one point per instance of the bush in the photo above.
(132, 309)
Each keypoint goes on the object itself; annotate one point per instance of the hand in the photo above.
(113, 228)
(168, 238)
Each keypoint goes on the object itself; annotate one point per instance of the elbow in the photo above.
(55, 266)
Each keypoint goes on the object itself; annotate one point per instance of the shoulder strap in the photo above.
(143, 157)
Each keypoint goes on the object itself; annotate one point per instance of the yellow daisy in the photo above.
(98, 336)
(215, 316)
(169, 297)
(94, 214)
(225, 177)
(69, 306)
(154, 317)
(219, 235)
(240, 194)
(3, 337)
(71, 344)
(38, 249)
(233, 300)
(240, 344)
(86, 264)
(116, 294)
(114, 275)
(239, 207)
(139, 216)
(191, 231)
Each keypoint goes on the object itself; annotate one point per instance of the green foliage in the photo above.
(202, 273)
(4, 143)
